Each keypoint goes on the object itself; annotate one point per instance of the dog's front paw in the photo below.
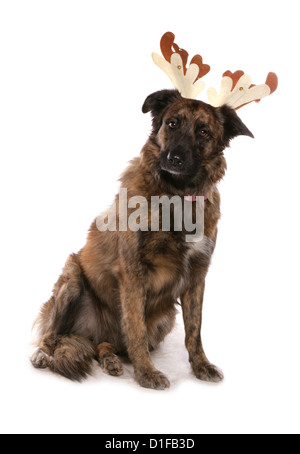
(208, 372)
(152, 379)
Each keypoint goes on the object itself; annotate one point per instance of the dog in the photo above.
(118, 295)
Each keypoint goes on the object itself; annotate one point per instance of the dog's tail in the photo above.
(69, 355)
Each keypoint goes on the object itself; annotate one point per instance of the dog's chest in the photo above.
(169, 270)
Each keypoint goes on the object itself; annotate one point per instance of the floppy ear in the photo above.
(232, 124)
(157, 103)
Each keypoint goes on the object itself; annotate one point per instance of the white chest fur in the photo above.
(205, 247)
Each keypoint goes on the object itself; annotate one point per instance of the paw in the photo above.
(112, 365)
(40, 359)
(152, 379)
(208, 372)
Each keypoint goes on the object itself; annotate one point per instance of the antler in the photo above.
(236, 88)
(237, 91)
(174, 65)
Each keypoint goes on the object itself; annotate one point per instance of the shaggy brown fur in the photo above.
(118, 295)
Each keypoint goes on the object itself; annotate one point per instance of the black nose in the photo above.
(175, 161)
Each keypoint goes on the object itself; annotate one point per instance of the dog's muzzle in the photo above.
(177, 161)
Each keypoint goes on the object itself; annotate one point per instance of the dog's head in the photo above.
(189, 138)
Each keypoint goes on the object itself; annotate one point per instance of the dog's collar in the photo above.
(193, 198)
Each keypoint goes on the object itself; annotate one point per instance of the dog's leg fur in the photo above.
(64, 352)
(108, 359)
(192, 303)
(133, 300)
(135, 330)
(70, 356)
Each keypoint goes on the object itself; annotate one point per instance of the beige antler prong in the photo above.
(236, 88)
(237, 91)
(174, 65)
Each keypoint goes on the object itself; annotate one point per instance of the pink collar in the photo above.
(193, 198)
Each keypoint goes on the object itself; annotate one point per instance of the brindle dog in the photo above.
(119, 293)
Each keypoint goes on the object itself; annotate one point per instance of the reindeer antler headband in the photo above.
(236, 88)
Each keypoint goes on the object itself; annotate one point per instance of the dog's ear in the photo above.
(158, 102)
(232, 124)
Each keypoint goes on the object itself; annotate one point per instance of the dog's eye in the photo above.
(172, 124)
(203, 133)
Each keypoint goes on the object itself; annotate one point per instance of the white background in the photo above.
(74, 75)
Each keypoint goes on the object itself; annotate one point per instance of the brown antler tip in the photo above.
(234, 76)
(169, 47)
(272, 82)
(203, 69)
(237, 75)
(168, 35)
(166, 44)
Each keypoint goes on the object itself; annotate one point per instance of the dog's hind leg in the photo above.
(61, 347)
(70, 356)
(108, 360)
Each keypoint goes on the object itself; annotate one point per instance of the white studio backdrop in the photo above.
(74, 75)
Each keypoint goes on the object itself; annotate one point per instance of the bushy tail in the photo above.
(69, 355)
